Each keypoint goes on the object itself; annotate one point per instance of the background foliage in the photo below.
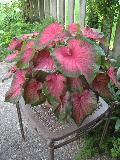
(13, 24)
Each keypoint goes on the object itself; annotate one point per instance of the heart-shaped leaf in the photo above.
(64, 109)
(92, 33)
(100, 84)
(15, 91)
(73, 60)
(112, 73)
(75, 84)
(44, 62)
(15, 44)
(9, 73)
(27, 55)
(12, 56)
(55, 85)
(49, 33)
(83, 105)
(73, 29)
(30, 35)
(32, 93)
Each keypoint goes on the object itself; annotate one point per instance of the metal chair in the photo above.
(70, 131)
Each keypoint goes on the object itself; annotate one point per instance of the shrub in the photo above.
(115, 151)
(12, 23)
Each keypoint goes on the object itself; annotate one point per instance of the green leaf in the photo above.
(117, 125)
(115, 62)
(118, 74)
(52, 100)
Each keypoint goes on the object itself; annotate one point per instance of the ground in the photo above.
(35, 147)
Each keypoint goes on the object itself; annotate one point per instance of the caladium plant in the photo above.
(63, 67)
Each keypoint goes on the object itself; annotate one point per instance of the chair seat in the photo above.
(102, 108)
(42, 120)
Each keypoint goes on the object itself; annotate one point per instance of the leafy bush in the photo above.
(12, 23)
(115, 151)
(62, 67)
(110, 146)
(88, 150)
(91, 146)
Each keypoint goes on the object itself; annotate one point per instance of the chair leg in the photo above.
(20, 121)
(104, 130)
(78, 139)
(51, 150)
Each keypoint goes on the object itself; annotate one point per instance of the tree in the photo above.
(102, 15)
(33, 10)
(92, 15)
(116, 48)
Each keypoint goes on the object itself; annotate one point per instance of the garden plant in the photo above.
(66, 68)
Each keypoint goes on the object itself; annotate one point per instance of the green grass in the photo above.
(88, 150)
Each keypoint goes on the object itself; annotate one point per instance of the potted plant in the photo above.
(66, 68)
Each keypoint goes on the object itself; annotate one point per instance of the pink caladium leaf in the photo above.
(35, 34)
(112, 73)
(9, 73)
(64, 109)
(76, 84)
(100, 84)
(27, 55)
(63, 102)
(91, 33)
(79, 57)
(29, 44)
(30, 35)
(32, 92)
(14, 93)
(55, 85)
(29, 70)
(50, 33)
(15, 44)
(83, 105)
(12, 56)
(44, 62)
(19, 78)
(73, 29)
(61, 37)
